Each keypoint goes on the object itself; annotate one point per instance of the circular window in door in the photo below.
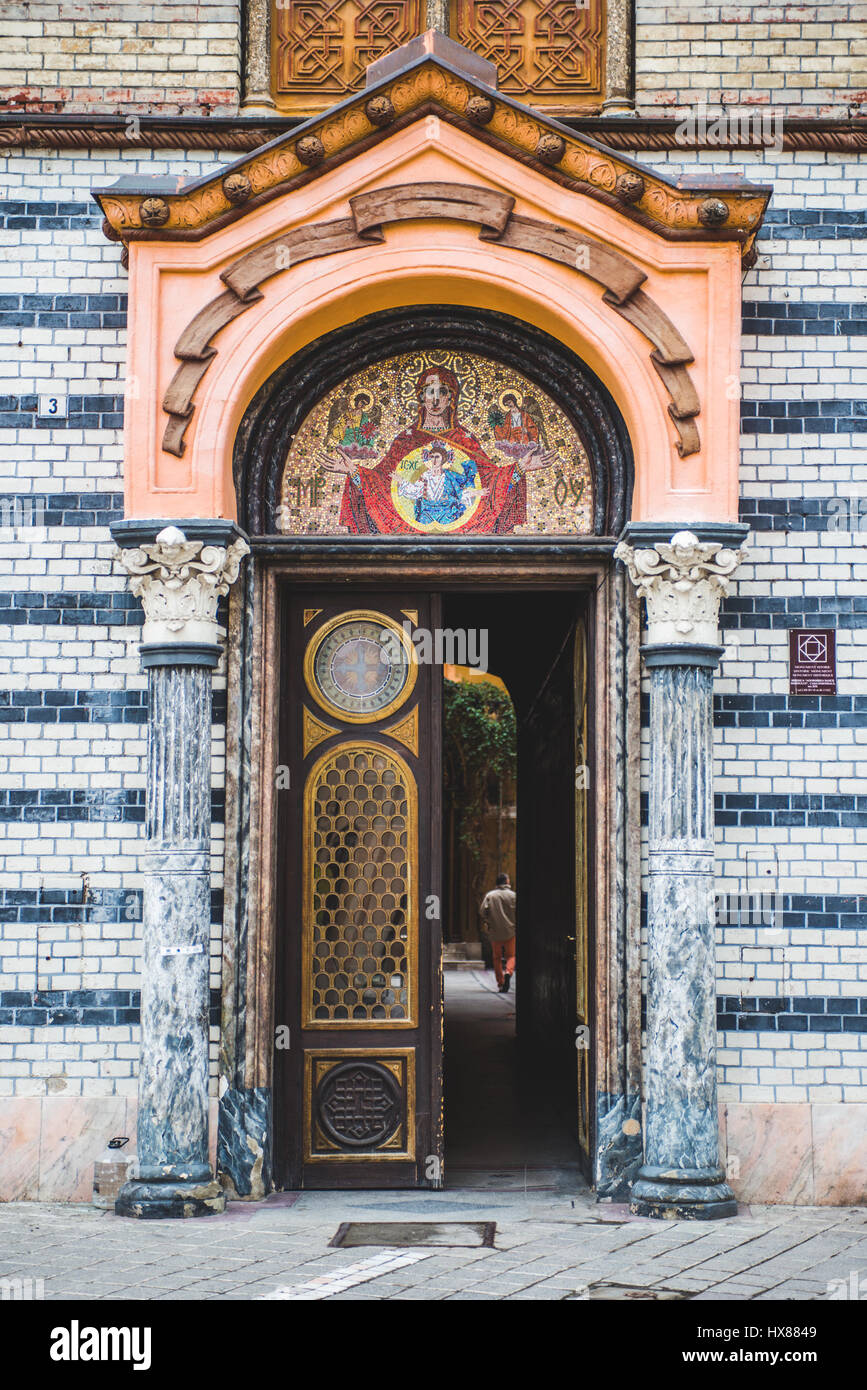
(360, 666)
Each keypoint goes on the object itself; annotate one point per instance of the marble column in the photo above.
(438, 16)
(178, 578)
(619, 58)
(683, 581)
(257, 98)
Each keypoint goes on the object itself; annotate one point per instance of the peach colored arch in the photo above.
(424, 262)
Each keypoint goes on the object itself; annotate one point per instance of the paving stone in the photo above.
(87, 1257)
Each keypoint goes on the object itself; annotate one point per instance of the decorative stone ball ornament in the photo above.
(310, 150)
(179, 582)
(479, 110)
(154, 212)
(713, 212)
(629, 187)
(683, 581)
(550, 148)
(379, 111)
(237, 188)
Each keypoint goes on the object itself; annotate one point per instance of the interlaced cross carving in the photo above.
(547, 52)
(324, 46)
(358, 1103)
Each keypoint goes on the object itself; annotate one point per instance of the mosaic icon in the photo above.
(438, 442)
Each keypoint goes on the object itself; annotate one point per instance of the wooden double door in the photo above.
(359, 1084)
(358, 1068)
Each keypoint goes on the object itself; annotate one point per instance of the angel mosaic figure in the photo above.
(356, 422)
(517, 423)
(416, 486)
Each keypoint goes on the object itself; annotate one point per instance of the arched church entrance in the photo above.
(345, 450)
(432, 496)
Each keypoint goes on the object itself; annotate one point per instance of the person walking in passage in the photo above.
(499, 910)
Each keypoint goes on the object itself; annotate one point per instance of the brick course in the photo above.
(166, 59)
(794, 58)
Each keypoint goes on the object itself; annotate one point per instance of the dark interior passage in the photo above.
(514, 1080)
(504, 1127)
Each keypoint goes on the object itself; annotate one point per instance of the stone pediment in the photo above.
(432, 77)
(619, 278)
(432, 188)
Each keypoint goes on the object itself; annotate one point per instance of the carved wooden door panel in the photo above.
(359, 845)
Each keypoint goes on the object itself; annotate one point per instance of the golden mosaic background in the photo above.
(559, 498)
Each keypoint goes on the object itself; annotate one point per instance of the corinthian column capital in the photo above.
(179, 582)
(683, 581)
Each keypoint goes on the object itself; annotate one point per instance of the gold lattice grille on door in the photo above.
(360, 925)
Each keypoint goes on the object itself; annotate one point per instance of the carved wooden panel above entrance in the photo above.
(548, 53)
(321, 48)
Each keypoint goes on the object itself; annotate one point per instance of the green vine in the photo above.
(480, 739)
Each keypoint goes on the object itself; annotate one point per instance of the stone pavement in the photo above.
(550, 1244)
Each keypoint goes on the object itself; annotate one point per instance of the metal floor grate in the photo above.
(472, 1234)
(629, 1292)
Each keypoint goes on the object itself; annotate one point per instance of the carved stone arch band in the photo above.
(619, 278)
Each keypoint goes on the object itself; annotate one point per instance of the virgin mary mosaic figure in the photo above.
(436, 476)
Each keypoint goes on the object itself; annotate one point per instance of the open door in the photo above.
(554, 927)
(583, 784)
(359, 850)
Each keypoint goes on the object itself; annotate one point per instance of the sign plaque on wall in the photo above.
(812, 661)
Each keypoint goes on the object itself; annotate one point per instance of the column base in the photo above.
(154, 1201)
(682, 1195)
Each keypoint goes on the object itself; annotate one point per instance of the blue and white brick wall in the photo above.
(791, 790)
(790, 783)
(73, 698)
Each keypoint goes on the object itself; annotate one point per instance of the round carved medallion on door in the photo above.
(360, 667)
(358, 1104)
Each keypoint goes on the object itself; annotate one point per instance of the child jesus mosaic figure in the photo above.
(436, 475)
